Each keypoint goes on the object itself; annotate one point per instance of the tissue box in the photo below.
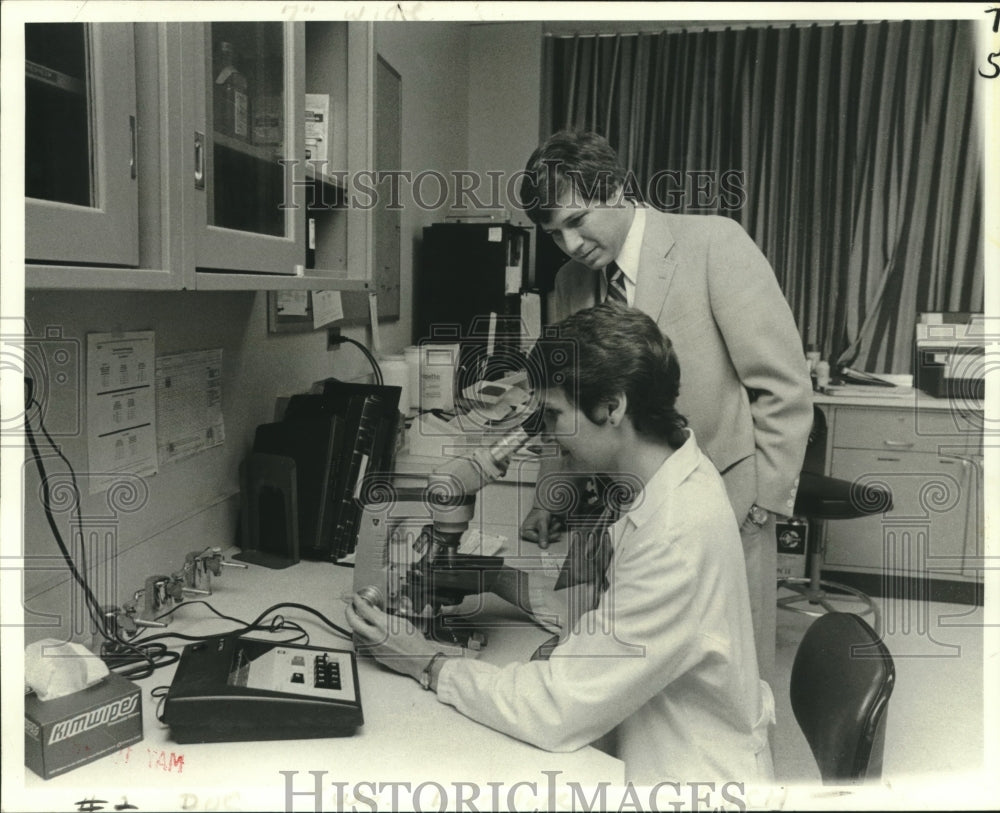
(71, 731)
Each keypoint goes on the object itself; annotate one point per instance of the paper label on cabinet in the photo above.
(317, 126)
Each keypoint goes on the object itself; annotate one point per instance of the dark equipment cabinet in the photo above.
(467, 271)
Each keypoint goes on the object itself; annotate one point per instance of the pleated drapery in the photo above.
(852, 154)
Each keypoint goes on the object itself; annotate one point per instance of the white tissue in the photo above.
(57, 668)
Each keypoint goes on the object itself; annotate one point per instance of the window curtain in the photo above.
(854, 149)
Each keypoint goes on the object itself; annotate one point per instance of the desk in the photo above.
(408, 736)
(929, 451)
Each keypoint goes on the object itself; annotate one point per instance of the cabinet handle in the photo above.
(132, 167)
(199, 160)
(888, 459)
(898, 444)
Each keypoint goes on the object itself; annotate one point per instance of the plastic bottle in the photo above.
(822, 374)
(232, 99)
(812, 356)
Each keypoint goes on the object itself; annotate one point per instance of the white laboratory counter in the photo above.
(899, 398)
(408, 735)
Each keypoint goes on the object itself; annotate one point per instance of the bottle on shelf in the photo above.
(822, 374)
(232, 97)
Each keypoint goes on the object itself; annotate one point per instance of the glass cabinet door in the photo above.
(80, 171)
(249, 145)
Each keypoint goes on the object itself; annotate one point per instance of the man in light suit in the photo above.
(744, 384)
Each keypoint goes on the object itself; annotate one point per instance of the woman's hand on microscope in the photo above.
(392, 640)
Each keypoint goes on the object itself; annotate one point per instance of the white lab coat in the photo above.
(666, 662)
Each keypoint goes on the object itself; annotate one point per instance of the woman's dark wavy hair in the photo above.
(581, 161)
(601, 351)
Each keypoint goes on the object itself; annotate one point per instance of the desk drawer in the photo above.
(904, 429)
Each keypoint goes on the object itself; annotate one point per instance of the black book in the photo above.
(311, 442)
(370, 415)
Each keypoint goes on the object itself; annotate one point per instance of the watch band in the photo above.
(425, 676)
(758, 516)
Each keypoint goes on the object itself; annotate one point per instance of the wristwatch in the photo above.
(425, 676)
(758, 516)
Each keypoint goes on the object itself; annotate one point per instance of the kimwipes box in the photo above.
(71, 731)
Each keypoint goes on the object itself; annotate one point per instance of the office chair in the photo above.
(820, 498)
(841, 682)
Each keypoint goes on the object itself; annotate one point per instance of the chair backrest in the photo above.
(815, 459)
(841, 681)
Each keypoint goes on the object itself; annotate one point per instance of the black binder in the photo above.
(370, 414)
(313, 443)
(364, 424)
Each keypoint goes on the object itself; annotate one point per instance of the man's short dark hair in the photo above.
(609, 349)
(581, 162)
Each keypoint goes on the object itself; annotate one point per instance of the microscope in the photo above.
(407, 557)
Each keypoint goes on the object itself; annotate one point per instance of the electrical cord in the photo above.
(139, 658)
(255, 625)
(193, 602)
(278, 623)
(160, 692)
(94, 609)
(376, 369)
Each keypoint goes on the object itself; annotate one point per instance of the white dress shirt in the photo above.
(666, 661)
(628, 257)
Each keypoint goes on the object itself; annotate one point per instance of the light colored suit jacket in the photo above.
(714, 294)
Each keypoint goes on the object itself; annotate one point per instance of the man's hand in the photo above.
(755, 520)
(541, 527)
(403, 648)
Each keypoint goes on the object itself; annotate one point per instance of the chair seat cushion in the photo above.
(841, 681)
(822, 497)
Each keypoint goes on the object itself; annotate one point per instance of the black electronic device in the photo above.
(235, 689)
(466, 272)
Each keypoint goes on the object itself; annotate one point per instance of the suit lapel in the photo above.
(657, 266)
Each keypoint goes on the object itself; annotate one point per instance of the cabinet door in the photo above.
(247, 147)
(80, 172)
(923, 534)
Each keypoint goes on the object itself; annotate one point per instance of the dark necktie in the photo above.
(616, 284)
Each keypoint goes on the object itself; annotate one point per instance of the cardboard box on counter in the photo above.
(67, 732)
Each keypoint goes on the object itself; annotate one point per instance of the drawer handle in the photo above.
(888, 459)
(898, 444)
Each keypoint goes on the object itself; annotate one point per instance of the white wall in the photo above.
(504, 98)
(433, 62)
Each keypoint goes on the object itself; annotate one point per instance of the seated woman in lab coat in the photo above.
(661, 664)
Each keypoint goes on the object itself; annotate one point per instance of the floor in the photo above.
(935, 728)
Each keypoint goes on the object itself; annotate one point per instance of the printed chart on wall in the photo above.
(121, 407)
(188, 404)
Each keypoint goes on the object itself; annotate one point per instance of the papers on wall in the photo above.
(293, 303)
(188, 404)
(327, 306)
(121, 408)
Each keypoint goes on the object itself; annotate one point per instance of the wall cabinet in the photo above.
(80, 144)
(930, 457)
(217, 185)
